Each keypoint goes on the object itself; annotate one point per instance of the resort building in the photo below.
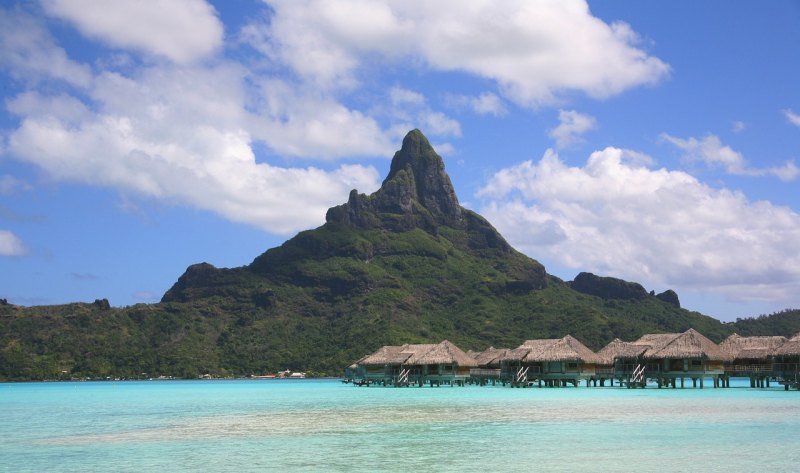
(677, 356)
(750, 357)
(786, 364)
(404, 365)
(550, 362)
(621, 361)
(489, 365)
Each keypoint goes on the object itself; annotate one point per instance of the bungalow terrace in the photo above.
(750, 357)
(403, 365)
(552, 362)
(786, 364)
(673, 356)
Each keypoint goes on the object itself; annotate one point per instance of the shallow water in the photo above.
(324, 425)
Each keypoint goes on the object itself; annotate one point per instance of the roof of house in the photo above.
(552, 349)
(419, 354)
(738, 347)
(689, 344)
(619, 349)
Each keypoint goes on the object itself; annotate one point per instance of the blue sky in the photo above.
(652, 141)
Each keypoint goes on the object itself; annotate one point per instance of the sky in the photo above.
(657, 142)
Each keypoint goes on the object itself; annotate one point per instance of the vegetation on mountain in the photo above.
(406, 264)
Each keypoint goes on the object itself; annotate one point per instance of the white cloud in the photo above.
(534, 51)
(738, 126)
(658, 227)
(30, 54)
(572, 125)
(181, 30)
(713, 153)
(793, 118)
(486, 103)
(11, 245)
(182, 135)
(411, 109)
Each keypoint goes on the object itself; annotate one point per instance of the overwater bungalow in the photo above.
(382, 366)
(552, 362)
(404, 365)
(619, 361)
(489, 365)
(676, 356)
(786, 364)
(750, 357)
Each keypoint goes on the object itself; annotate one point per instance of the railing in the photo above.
(484, 372)
(749, 369)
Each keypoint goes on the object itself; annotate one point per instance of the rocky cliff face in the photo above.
(417, 193)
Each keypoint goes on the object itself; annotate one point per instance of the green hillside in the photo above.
(405, 264)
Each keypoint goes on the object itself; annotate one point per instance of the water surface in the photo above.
(323, 425)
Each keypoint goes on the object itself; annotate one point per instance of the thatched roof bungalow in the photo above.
(786, 365)
(689, 354)
(418, 363)
(738, 348)
(554, 361)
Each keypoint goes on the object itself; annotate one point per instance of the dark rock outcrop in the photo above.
(670, 297)
(608, 288)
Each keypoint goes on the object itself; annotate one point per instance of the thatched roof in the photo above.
(489, 357)
(443, 354)
(749, 348)
(563, 349)
(419, 354)
(689, 344)
(790, 348)
(515, 354)
(619, 349)
(551, 349)
(384, 355)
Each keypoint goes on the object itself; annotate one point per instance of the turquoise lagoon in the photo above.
(324, 425)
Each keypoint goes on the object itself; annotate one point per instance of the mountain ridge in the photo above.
(405, 264)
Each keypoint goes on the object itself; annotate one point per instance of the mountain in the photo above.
(405, 264)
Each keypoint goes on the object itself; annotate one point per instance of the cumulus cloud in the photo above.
(181, 136)
(181, 30)
(534, 51)
(411, 110)
(650, 225)
(572, 125)
(714, 154)
(10, 244)
(29, 53)
(486, 103)
(793, 118)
